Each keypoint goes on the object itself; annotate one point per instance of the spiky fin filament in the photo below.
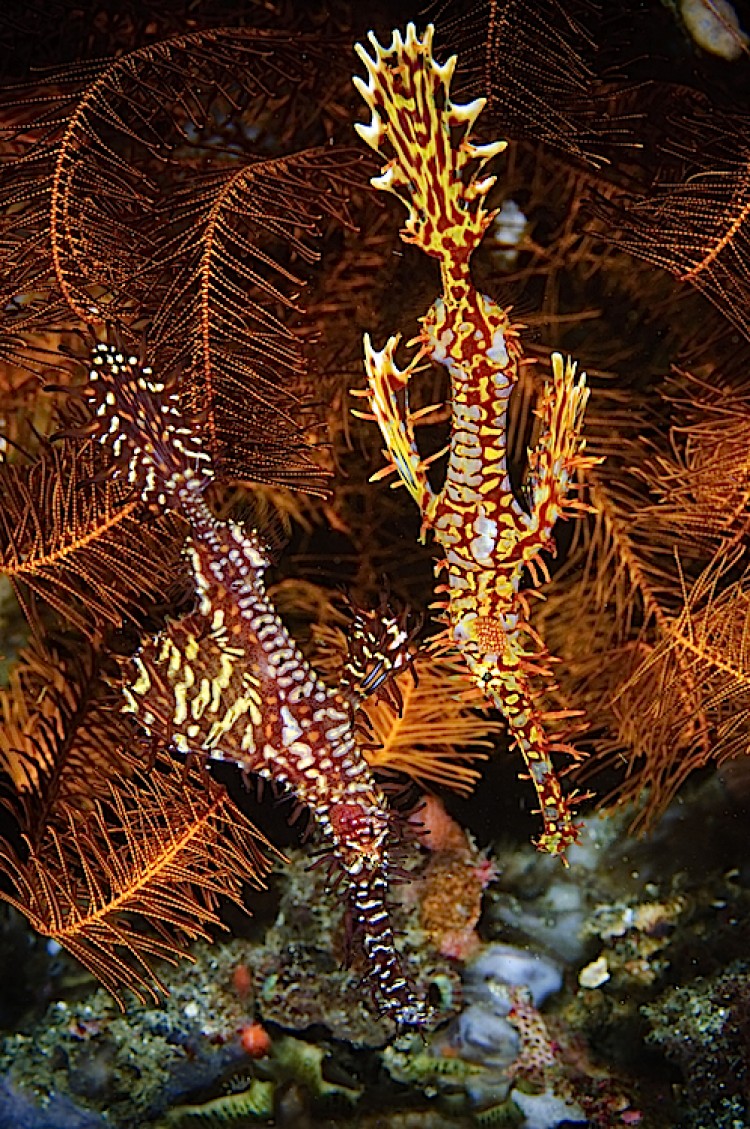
(436, 175)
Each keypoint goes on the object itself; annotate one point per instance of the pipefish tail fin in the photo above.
(432, 164)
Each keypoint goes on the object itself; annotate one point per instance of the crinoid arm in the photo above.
(414, 119)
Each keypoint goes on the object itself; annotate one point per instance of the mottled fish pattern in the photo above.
(227, 681)
(489, 539)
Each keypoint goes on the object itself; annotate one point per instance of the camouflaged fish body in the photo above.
(489, 539)
(228, 682)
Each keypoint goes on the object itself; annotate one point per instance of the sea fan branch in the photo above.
(441, 731)
(156, 193)
(697, 226)
(233, 231)
(701, 665)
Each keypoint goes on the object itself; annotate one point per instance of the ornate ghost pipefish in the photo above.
(227, 681)
(488, 538)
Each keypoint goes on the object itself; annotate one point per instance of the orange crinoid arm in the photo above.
(489, 539)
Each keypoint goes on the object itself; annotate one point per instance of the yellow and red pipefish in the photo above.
(488, 538)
